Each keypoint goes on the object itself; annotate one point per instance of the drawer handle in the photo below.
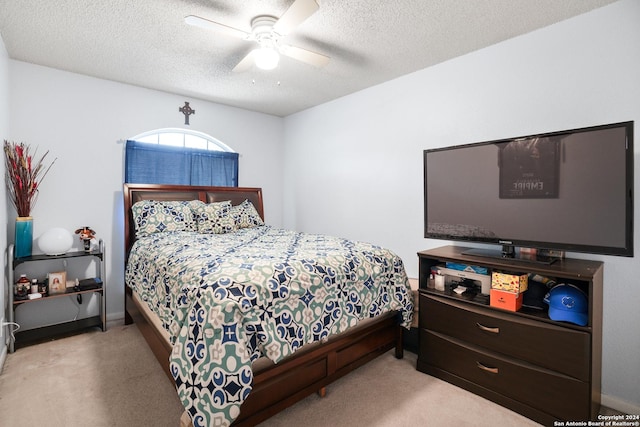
(486, 368)
(488, 329)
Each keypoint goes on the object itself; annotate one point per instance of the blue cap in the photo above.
(567, 303)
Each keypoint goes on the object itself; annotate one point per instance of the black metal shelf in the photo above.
(42, 257)
(68, 292)
(45, 333)
(31, 335)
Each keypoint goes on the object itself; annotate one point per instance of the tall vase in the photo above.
(24, 236)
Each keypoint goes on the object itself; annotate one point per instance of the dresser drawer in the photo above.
(558, 395)
(549, 346)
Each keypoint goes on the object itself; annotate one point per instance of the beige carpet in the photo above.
(92, 379)
(112, 379)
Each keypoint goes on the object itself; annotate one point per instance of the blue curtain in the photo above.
(160, 164)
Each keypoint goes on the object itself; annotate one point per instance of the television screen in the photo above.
(566, 191)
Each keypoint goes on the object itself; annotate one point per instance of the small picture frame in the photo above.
(57, 282)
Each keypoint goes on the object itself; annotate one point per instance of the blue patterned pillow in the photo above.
(214, 218)
(246, 215)
(151, 216)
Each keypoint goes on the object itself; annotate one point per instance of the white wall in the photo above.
(83, 121)
(4, 131)
(354, 166)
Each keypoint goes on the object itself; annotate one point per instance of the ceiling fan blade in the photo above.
(246, 63)
(211, 25)
(297, 12)
(303, 55)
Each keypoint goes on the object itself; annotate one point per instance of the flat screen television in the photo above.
(560, 191)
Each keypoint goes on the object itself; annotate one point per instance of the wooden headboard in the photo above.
(135, 192)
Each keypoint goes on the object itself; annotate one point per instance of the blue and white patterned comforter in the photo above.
(228, 299)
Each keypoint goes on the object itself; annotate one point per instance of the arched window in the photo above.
(182, 138)
(180, 156)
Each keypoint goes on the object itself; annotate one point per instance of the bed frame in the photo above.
(276, 386)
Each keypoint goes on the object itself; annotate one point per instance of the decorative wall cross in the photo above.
(187, 111)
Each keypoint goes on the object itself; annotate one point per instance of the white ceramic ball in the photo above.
(55, 241)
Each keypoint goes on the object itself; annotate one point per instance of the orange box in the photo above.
(505, 300)
(509, 282)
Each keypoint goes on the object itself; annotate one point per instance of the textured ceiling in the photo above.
(147, 43)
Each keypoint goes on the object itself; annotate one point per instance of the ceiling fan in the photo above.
(267, 31)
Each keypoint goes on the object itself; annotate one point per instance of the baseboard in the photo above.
(619, 405)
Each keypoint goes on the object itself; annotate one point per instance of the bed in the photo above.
(186, 315)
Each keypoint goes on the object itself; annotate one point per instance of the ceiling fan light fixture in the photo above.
(266, 58)
(267, 31)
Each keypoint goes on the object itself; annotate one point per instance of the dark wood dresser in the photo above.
(543, 369)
